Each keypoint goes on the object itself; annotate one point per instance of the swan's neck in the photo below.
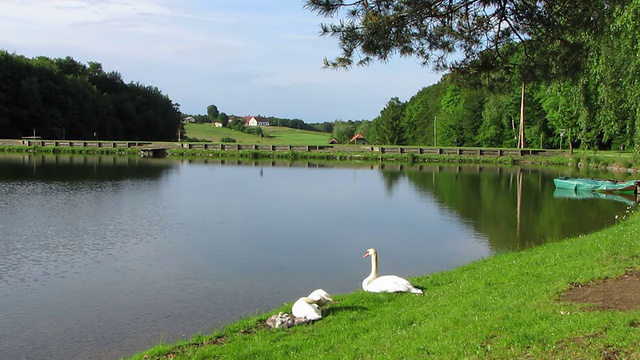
(374, 268)
(308, 300)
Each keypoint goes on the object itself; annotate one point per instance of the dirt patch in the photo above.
(622, 293)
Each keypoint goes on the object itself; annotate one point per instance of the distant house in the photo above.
(334, 141)
(256, 121)
(190, 119)
(358, 139)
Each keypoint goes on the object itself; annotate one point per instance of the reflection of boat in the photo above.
(629, 199)
(576, 184)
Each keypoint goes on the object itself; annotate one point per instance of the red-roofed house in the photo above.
(358, 139)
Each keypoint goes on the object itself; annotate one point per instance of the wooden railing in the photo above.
(97, 144)
(307, 148)
(239, 147)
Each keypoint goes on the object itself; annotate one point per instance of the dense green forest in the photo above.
(577, 62)
(64, 99)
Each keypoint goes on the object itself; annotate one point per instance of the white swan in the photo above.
(386, 283)
(321, 297)
(306, 308)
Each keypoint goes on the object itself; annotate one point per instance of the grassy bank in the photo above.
(504, 307)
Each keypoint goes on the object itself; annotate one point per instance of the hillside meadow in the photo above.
(272, 135)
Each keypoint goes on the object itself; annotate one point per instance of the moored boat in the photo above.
(583, 184)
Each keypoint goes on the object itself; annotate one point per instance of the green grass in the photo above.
(272, 135)
(503, 307)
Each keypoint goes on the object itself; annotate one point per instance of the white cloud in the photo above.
(245, 56)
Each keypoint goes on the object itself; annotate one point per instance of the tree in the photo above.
(343, 131)
(212, 112)
(326, 127)
(449, 132)
(62, 98)
(364, 128)
(236, 124)
(223, 118)
(421, 115)
(477, 30)
(388, 127)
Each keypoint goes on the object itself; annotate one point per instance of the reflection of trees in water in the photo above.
(81, 168)
(391, 178)
(513, 207)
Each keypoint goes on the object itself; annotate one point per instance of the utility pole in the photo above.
(435, 131)
(522, 142)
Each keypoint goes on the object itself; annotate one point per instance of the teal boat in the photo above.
(583, 184)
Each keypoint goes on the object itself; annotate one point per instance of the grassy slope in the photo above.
(503, 307)
(272, 135)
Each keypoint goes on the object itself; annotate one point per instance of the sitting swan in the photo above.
(306, 308)
(321, 297)
(386, 283)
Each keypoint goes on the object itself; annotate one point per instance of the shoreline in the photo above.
(410, 154)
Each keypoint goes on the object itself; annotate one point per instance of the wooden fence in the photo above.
(380, 149)
(239, 147)
(465, 151)
(305, 148)
(96, 144)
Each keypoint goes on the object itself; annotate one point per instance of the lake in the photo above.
(102, 257)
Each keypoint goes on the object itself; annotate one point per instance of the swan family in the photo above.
(309, 308)
(304, 310)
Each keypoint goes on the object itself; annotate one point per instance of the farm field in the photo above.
(272, 135)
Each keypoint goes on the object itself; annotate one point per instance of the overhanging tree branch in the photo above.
(433, 30)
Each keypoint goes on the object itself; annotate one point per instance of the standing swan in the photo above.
(386, 283)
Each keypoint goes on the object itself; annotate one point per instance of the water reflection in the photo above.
(101, 257)
(79, 168)
(628, 199)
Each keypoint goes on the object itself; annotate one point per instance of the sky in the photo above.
(246, 57)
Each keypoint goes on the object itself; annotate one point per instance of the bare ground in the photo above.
(622, 293)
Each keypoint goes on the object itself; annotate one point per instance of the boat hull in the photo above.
(583, 184)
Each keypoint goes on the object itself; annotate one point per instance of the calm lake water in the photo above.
(103, 257)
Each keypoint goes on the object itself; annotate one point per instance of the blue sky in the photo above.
(247, 57)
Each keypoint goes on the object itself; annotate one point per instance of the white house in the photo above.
(256, 121)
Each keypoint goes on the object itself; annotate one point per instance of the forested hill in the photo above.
(578, 62)
(64, 99)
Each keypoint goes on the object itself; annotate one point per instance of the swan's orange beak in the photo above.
(365, 255)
